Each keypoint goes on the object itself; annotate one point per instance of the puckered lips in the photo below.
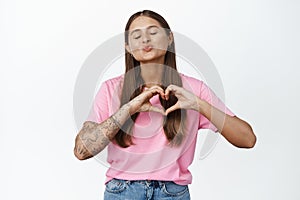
(147, 48)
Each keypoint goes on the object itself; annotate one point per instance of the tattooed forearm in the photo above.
(94, 137)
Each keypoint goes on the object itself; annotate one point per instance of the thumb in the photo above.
(172, 108)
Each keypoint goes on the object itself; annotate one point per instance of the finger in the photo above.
(169, 89)
(167, 92)
(157, 90)
(172, 108)
(150, 92)
(156, 109)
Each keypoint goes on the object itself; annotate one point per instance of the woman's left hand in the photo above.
(186, 99)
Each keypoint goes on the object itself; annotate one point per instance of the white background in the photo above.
(43, 44)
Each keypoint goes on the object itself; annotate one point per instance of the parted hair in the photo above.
(133, 83)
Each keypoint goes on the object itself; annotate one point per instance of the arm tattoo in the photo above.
(94, 137)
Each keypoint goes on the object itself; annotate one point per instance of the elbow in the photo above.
(247, 142)
(241, 134)
(245, 138)
(78, 155)
(80, 152)
(81, 156)
(249, 136)
(250, 139)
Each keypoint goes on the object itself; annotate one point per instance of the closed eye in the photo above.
(153, 30)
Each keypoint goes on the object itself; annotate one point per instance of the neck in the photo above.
(152, 73)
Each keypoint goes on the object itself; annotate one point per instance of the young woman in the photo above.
(149, 118)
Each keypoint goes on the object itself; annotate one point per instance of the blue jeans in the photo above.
(117, 189)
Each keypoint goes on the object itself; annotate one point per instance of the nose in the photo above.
(146, 38)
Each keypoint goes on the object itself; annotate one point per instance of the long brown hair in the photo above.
(133, 85)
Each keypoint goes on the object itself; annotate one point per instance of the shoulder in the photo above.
(114, 82)
(111, 86)
(190, 81)
(185, 77)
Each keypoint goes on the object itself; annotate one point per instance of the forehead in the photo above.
(142, 22)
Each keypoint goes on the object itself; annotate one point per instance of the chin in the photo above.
(150, 58)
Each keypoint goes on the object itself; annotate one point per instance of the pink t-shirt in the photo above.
(151, 157)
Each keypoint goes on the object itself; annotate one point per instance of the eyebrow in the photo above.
(135, 30)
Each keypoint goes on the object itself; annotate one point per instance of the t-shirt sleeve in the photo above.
(209, 96)
(100, 108)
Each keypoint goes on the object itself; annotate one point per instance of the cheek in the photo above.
(161, 42)
(134, 44)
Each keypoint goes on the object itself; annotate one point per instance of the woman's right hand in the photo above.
(141, 102)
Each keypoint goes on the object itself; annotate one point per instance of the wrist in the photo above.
(202, 106)
(129, 109)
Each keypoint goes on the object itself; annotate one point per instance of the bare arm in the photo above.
(235, 130)
(94, 137)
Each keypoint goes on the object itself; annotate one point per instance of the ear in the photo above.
(171, 38)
